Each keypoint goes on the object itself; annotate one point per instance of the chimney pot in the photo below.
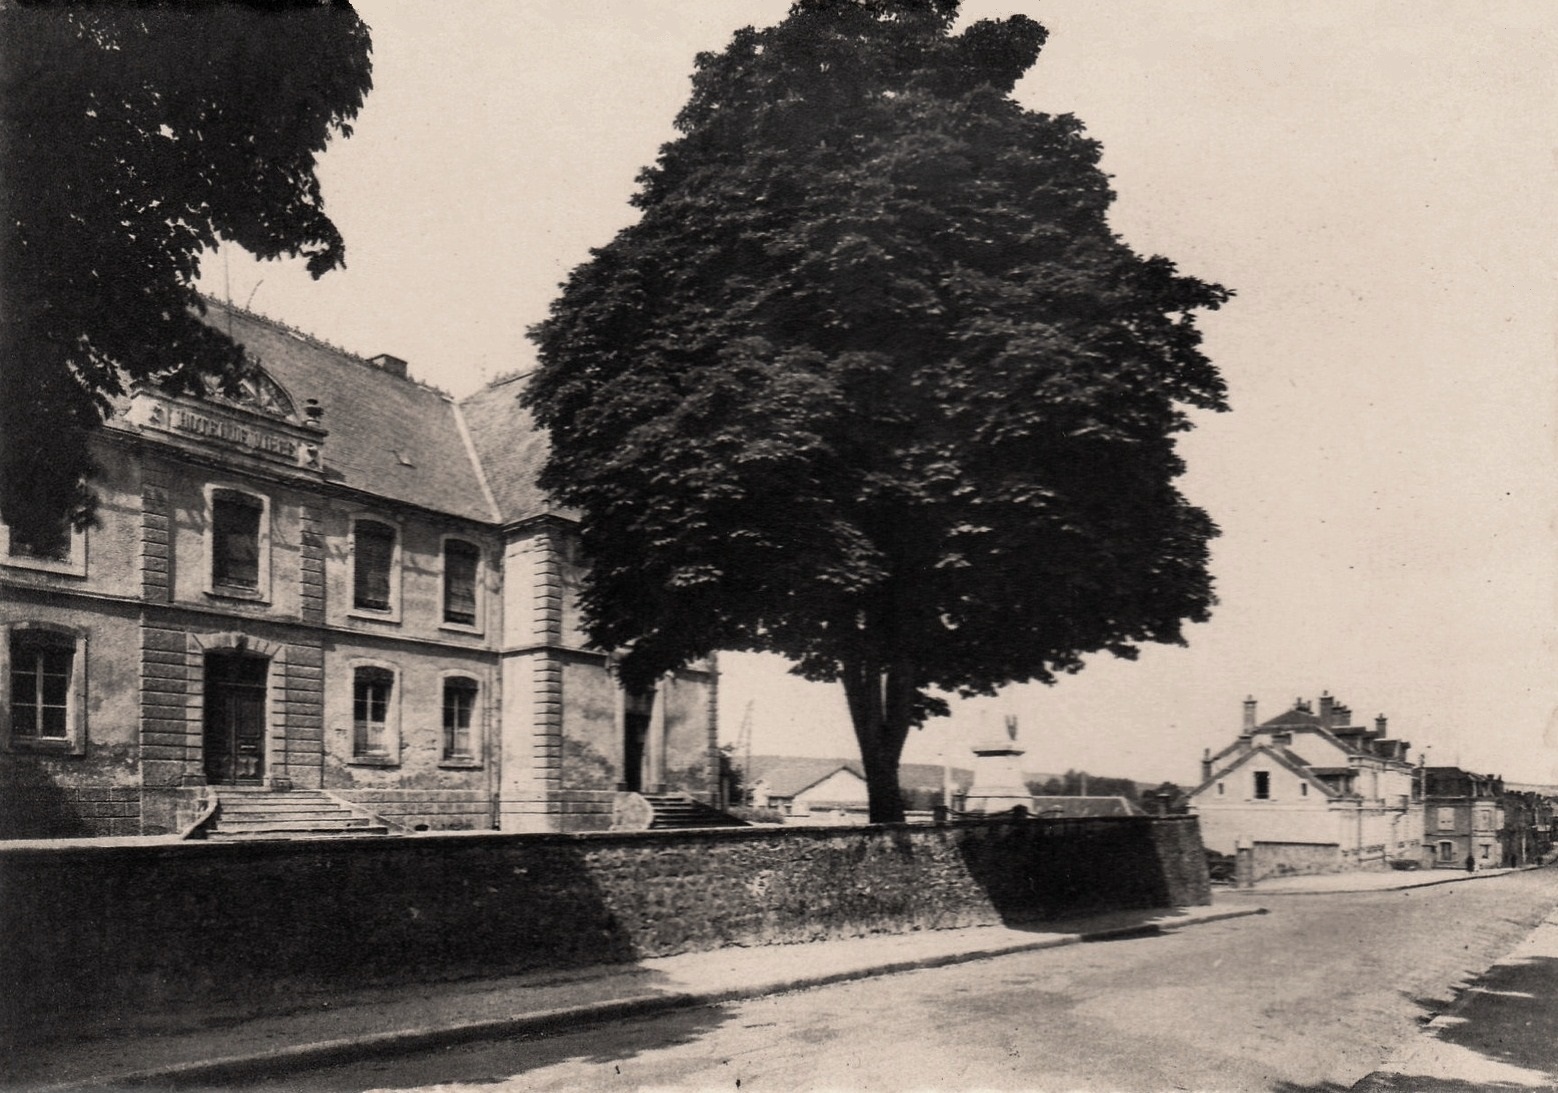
(1249, 713)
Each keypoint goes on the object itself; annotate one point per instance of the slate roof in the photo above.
(392, 437)
(511, 449)
(1295, 717)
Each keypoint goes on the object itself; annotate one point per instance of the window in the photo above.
(372, 689)
(1446, 819)
(235, 540)
(459, 714)
(46, 545)
(1484, 819)
(1262, 785)
(461, 562)
(1219, 789)
(1303, 789)
(1446, 851)
(373, 560)
(59, 550)
(41, 668)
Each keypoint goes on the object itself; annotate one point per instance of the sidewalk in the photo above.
(1364, 881)
(369, 1023)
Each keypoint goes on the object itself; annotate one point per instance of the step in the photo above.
(315, 833)
(352, 822)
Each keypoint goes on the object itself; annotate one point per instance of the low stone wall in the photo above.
(1273, 859)
(109, 936)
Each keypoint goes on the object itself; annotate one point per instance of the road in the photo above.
(1312, 996)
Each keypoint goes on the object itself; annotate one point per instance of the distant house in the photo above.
(1311, 791)
(802, 786)
(1463, 818)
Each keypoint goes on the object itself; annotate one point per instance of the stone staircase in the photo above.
(244, 814)
(674, 811)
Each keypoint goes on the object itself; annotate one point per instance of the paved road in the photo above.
(1313, 996)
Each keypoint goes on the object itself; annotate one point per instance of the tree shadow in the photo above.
(484, 1058)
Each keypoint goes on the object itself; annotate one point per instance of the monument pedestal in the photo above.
(998, 783)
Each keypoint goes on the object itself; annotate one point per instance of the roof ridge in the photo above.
(319, 343)
(475, 458)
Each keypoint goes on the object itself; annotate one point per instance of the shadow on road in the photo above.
(484, 1062)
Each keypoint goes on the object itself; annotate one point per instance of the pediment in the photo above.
(257, 392)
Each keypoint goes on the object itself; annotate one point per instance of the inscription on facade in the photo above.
(187, 421)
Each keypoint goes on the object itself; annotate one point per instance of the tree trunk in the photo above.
(881, 703)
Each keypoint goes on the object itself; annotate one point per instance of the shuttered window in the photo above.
(460, 565)
(235, 539)
(373, 553)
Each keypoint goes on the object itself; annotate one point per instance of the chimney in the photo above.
(1249, 715)
(1379, 725)
(391, 364)
(1327, 705)
(1206, 765)
(1341, 716)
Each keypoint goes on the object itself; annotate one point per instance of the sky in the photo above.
(1375, 180)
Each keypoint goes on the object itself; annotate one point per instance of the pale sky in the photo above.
(1374, 180)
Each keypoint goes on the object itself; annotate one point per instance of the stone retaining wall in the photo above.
(115, 935)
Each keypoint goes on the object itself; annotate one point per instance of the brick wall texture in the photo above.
(117, 935)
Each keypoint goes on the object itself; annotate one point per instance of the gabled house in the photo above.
(1311, 791)
(801, 785)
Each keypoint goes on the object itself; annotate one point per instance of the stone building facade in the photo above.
(335, 578)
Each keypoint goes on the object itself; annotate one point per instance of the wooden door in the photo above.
(235, 719)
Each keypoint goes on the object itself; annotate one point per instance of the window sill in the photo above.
(47, 746)
(248, 595)
(459, 764)
(373, 614)
(460, 628)
(53, 569)
(373, 761)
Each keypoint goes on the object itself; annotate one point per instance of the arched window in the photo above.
(460, 693)
(373, 563)
(462, 562)
(44, 683)
(373, 709)
(238, 542)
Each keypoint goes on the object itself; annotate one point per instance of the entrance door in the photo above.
(635, 738)
(235, 719)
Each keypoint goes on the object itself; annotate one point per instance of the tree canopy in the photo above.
(872, 384)
(134, 137)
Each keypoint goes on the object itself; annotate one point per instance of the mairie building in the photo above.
(335, 581)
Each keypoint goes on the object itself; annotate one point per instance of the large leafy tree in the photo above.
(133, 137)
(872, 384)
